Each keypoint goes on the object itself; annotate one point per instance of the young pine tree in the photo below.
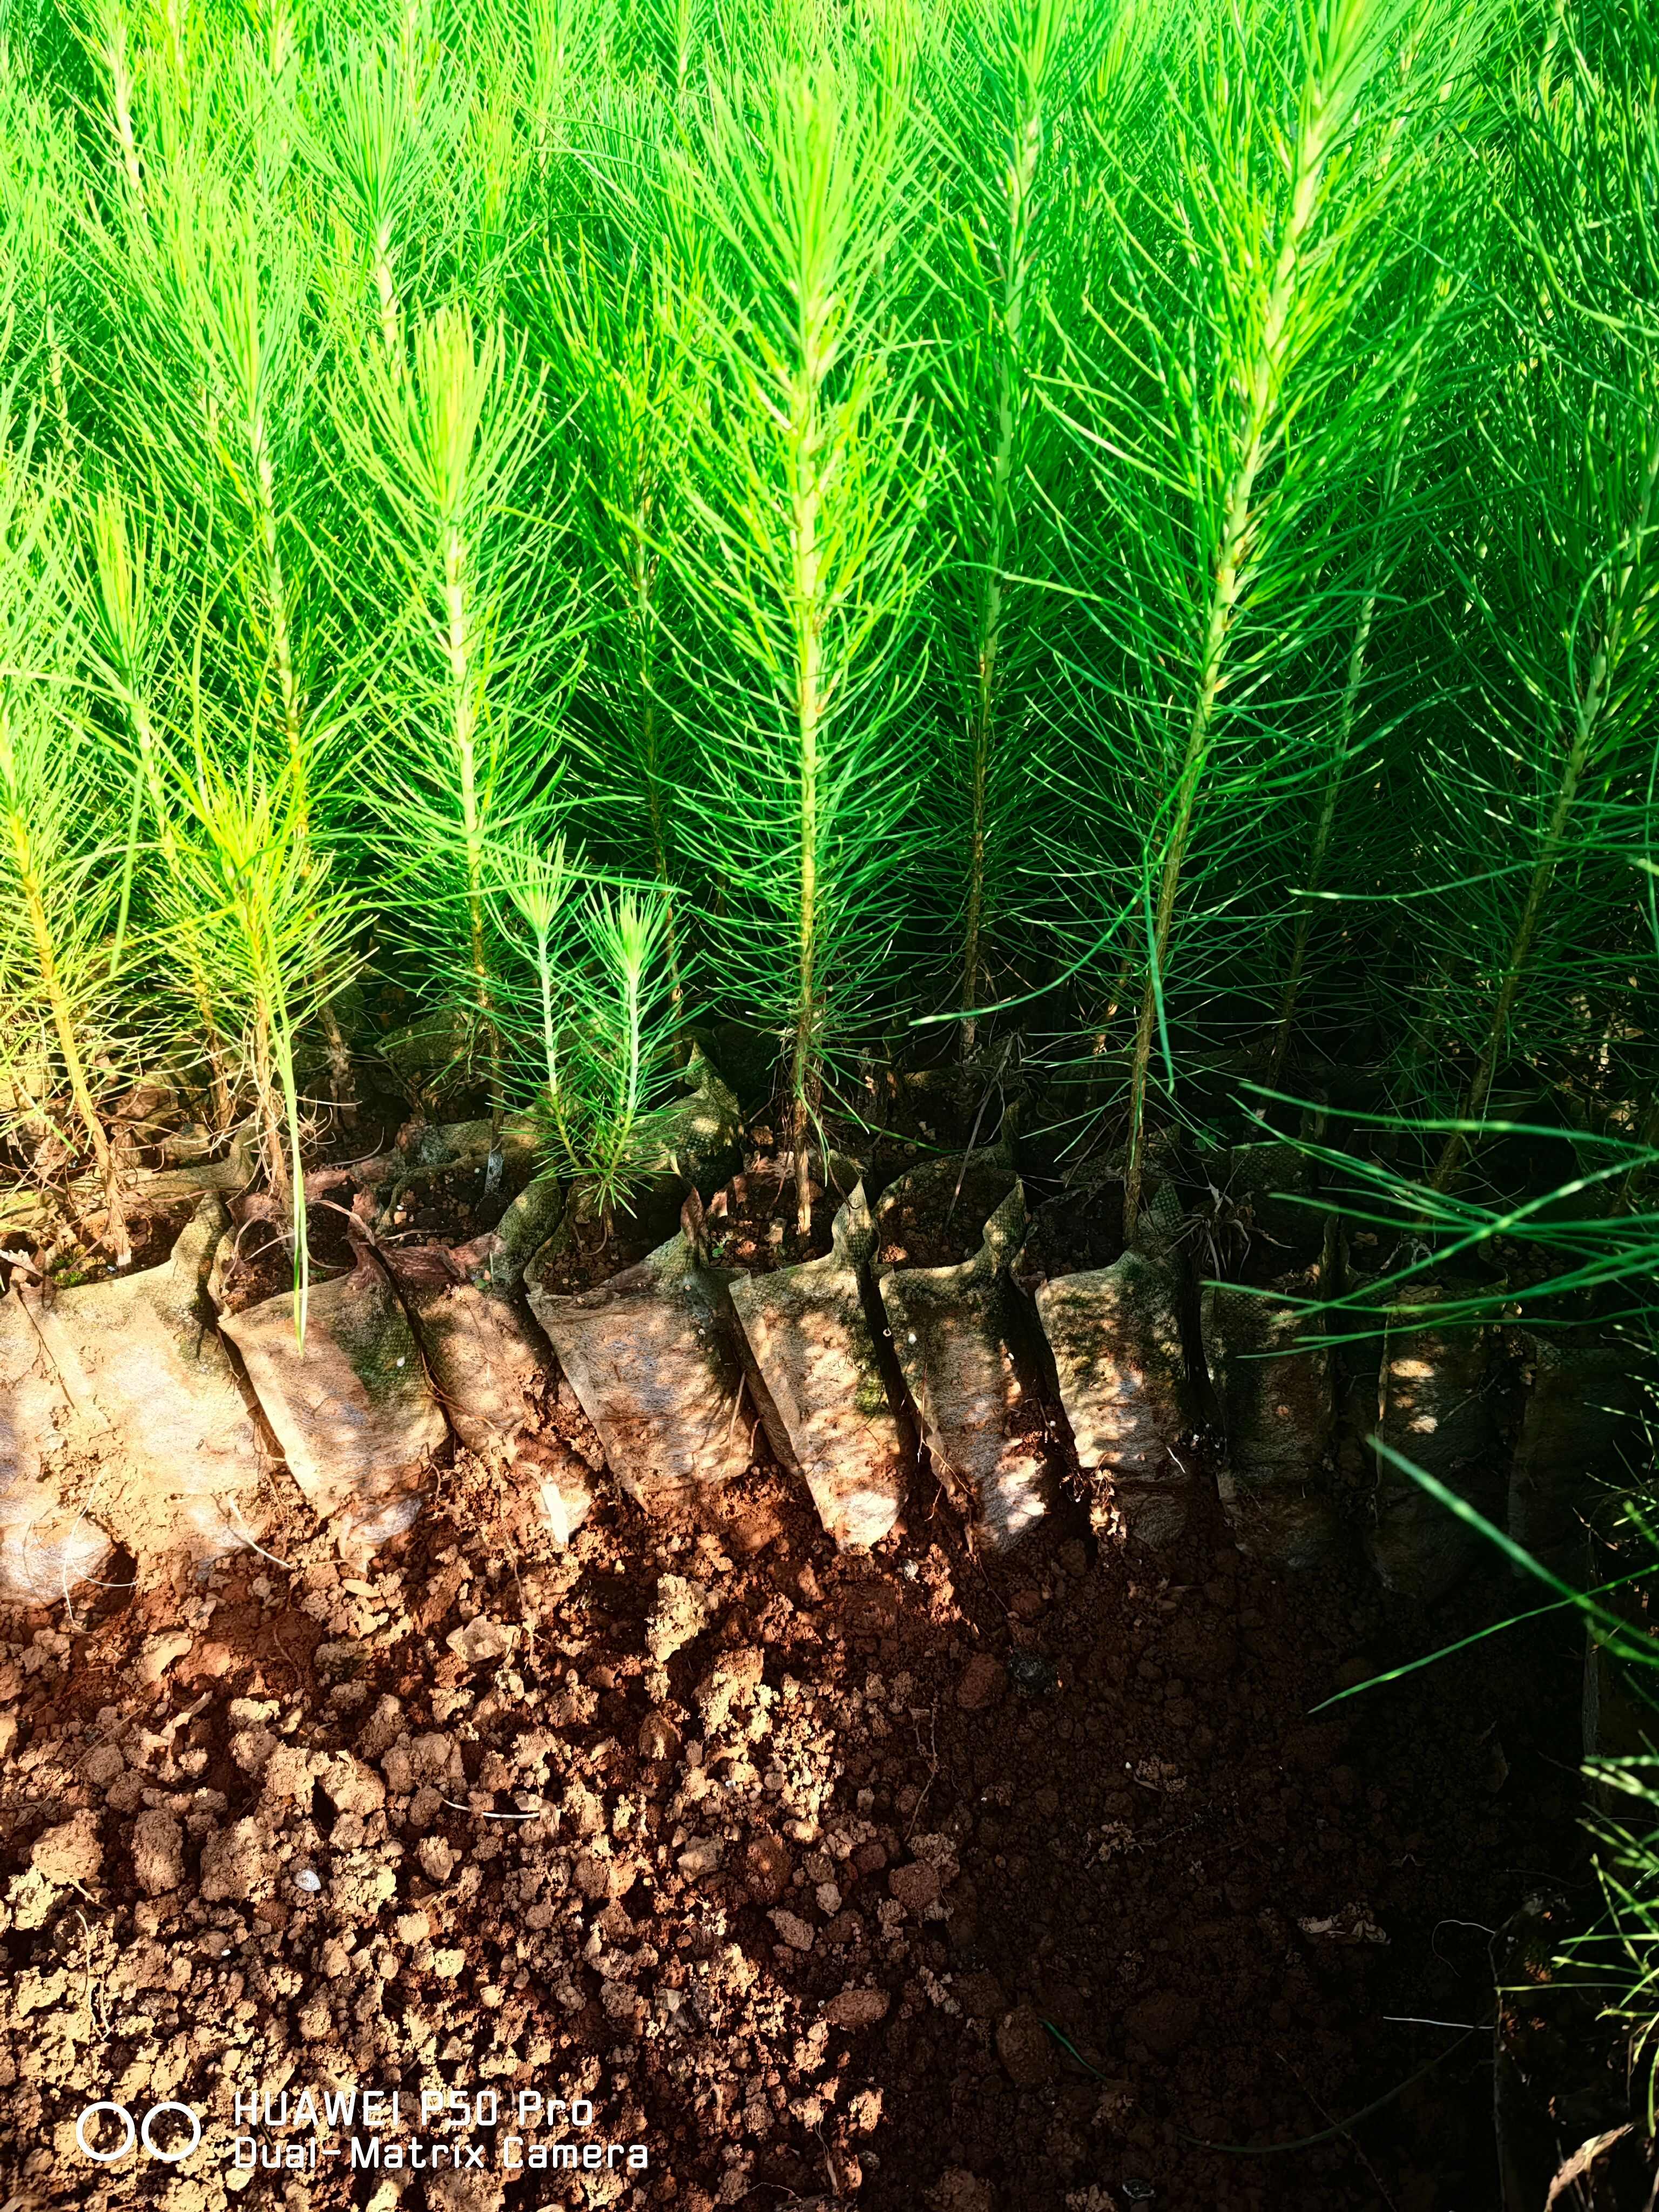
(467, 684)
(799, 557)
(57, 887)
(1228, 391)
(1542, 799)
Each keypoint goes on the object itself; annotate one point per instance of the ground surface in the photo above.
(911, 1880)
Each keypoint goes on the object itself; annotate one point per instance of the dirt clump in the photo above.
(937, 1216)
(753, 1228)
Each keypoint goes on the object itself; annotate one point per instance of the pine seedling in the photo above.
(802, 560)
(623, 348)
(1227, 400)
(1402, 492)
(671, 38)
(234, 436)
(105, 27)
(623, 1029)
(556, 56)
(600, 1027)
(1563, 587)
(43, 305)
(278, 938)
(124, 594)
(468, 691)
(1396, 493)
(383, 124)
(247, 291)
(534, 889)
(56, 885)
(1000, 264)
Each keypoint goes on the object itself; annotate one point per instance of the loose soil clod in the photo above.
(983, 1881)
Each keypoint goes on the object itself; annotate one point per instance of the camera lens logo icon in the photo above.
(133, 2133)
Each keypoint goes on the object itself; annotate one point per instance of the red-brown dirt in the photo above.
(913, 1880)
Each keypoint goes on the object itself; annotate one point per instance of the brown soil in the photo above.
(915, 1880)
(751, 1222)
(153, 1236)
(260, 1264)
(904, 1881)
(448, 1208)
(1073, 1233)
(941, 1235)
(590, 1256)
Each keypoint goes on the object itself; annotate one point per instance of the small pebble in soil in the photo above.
(1136, 2191)
(1033, 1674)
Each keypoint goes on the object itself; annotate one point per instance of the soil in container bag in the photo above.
(1121, 1373)
(694, 1134)
(353, 1409)
(1621, 1685)
(1273, 1374)
(816, 1369)
(1546, 2050)
(650, 1356)
(158, 1444)
(429, 1155)
(1436, 1406)
(961, 1344)
(1267, 1193)
(1580, 1434)
(1276, 1383)
(484, 1353)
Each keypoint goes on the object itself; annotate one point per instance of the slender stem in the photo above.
(549, 1039)
(277, 614)
(55, 371)
(464, 733)
(135, 812)
(147, 784)
(1323, 828)
(115, 1237)
(121, 80)
(266, 1093)
(297, 1181)
(982, 722)
(1521, 945)
(293, 714)
(644, 568)
(1347, 716)
(807, 611)
(386, 289)
(634, 1069)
